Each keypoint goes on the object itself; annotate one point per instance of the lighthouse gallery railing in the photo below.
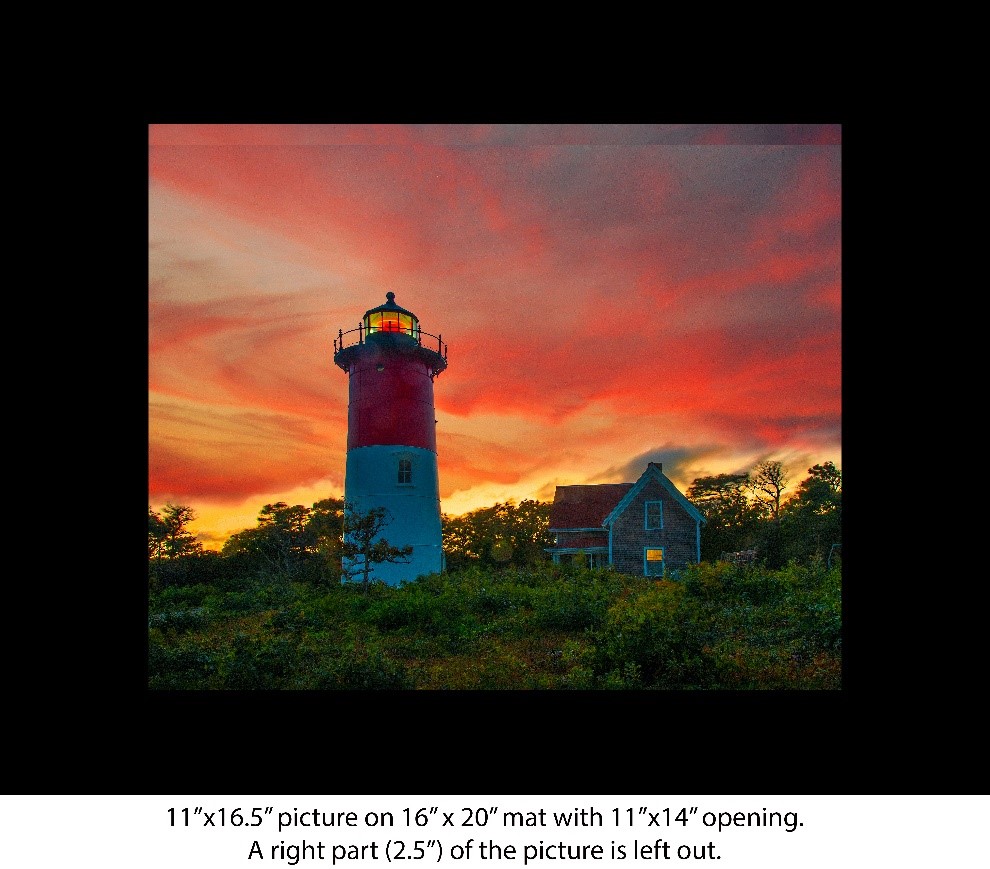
(339, 343)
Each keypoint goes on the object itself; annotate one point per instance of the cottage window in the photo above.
(654, 515)
(653, 562)
(405, 472)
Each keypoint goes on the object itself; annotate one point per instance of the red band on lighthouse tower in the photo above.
(391, 400)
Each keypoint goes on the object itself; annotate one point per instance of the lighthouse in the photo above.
(391, 432)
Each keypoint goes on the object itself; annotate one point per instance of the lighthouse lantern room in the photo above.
(391, 432)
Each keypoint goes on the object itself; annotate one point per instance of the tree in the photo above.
(325, 530)
(156, 535)
(812, 519)
(730, 519)
(499, 535)
(283, 528)
(168, 536)
(722, 498)
(768, 482)
(174, 553)
(282, 541)
(822, 490)
(363, 546)
(303, 543)
(247, 544)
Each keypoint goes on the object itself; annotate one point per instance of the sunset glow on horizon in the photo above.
(610, 295)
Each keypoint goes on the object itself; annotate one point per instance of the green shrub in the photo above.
(577, 601)
(179, 597)
(179, 668)
(260, 664)
(404, 610)
(361, 668)
(546, 626)
(648, 629)
(233, 602)
(179, 621)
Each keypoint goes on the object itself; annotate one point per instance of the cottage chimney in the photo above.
(657, 465)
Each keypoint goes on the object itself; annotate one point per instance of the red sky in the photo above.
(610, 294)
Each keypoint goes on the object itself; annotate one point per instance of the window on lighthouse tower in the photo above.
(405, 472)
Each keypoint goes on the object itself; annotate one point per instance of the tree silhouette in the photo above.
(363, 545)
(168, 536)
(768, 481)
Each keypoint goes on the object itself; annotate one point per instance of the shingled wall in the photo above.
(678, 537)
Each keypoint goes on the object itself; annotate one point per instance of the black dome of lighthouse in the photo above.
(390, 306)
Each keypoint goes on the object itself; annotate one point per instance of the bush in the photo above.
(207, 568)
(405, 610)
(360, 668)
(233, 602)
(180, 668)
(179, 621)
(577, 600)
(648, 640)
(549, 626)
(260, 664)
(180, 597)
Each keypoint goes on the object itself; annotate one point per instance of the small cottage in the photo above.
(646, 528)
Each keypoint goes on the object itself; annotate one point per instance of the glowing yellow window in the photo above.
(654, 562)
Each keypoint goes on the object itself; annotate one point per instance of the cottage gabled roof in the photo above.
(652, 472)
(585, 506)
